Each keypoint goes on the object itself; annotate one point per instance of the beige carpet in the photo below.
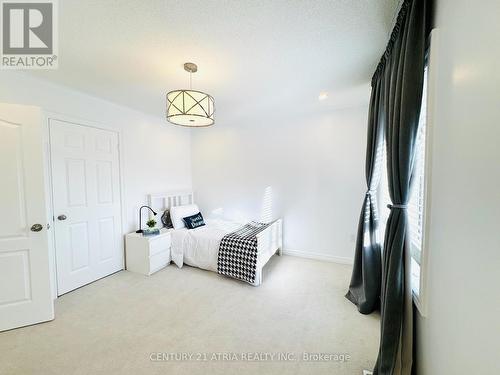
(115, 324)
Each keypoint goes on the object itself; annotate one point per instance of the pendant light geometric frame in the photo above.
(191, 108)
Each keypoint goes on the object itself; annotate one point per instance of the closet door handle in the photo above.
(61, 217)
(36, 227)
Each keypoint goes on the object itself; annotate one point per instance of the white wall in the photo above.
(155, 154)
(460, 334)
(305, 163)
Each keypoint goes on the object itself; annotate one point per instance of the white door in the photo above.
(86, 198)
(25, 296)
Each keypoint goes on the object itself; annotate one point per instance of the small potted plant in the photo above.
(151, 231)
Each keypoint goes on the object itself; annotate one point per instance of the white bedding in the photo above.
(199, 247)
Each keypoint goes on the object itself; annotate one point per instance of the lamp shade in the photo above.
(190, 108)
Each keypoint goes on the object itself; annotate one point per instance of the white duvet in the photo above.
(199, 247)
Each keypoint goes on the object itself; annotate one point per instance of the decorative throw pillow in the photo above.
(178, 212)
(166, 220)
(194, 221)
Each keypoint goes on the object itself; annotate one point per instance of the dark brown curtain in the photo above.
(364, 289)
(400, 75)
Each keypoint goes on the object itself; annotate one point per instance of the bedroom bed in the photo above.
(201, 247)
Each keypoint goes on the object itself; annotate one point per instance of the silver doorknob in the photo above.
(36, 227)
(61, 217)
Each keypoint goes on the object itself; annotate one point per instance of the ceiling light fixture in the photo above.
(190, 107)
(323, 96)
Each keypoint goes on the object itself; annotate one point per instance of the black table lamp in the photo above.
(140, 218)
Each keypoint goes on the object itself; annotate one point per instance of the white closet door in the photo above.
(86, 195)
(25, 296)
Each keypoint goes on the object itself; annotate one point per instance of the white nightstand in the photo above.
(147, 254)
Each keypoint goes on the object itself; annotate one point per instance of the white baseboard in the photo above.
(317, 256)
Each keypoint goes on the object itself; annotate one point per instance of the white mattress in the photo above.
(199, 247)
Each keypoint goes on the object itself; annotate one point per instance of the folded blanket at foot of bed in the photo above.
(238, 252)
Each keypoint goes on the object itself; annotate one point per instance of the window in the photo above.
(416, 202)
(417, 196)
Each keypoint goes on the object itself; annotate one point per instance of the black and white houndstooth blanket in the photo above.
(238, 252)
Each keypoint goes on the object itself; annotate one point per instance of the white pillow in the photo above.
(178, 212)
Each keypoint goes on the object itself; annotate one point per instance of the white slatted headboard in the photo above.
(164, 201)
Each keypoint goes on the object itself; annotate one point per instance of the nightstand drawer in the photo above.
(158, 245)
(158, 261)
(147, 254)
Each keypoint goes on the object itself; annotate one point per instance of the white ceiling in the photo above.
(131, 52)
